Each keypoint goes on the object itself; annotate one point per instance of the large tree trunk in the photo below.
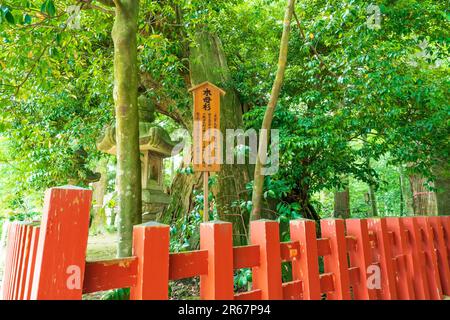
(181, 197)
(342, 202)
(127, 121)
(98, 194)
(208, 63)
(442, 183)
(258, 183)
(424, 200)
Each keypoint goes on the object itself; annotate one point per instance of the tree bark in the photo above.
(342, 204)
(442, 183)
(406, 206)
(342, 201)
(181, 197)
(207, 62)
(258, 183)
(373, 200)
(127, 121)
(424, 200)
(98, 194)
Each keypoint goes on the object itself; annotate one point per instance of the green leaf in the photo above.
(51, 8)
(48, 7)
(26, 19)
(44, 7)
(9, 17)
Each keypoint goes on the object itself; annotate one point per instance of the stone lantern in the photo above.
(155, 145)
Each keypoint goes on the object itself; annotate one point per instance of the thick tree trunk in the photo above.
(442, 183)
(181, 197)
(208, 63)
(127, 121)
(258, 183)
(98, 194)
(342, 202)
(424, 200)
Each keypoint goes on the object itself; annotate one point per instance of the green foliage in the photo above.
(117, 294)
(184, 233)
(242, 279)
(55, 91)
(351, 93)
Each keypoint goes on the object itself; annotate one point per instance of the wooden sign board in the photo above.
(207, 148)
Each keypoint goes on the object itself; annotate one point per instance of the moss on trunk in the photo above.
(127, 121)
(207, 62)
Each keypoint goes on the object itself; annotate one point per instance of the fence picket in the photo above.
(267, 276)
(383, 255)
(405, 289)
(360, 257)
(217, 238)
(151, 247)
(61, 252)
(431, 264)
(336, 261)
(306, 266)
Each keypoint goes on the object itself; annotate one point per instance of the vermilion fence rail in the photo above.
(379, 258)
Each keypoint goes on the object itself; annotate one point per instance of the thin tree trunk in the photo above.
(268, 116)
(406, 206)
(373, 200)
(402, 197)
(372, 196)
(127, 121)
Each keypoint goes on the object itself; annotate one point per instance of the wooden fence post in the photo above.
(361, 257)
(336, 262)
(151, 247)
(305, 266)
(267, 276)
(31, 262)
(405, 288)
(445, 221)
(24, 263)
(441, 253)
(415, 256)
(61, 254)
(10, 252)
(431, 264)
(217, 238)
(383, 255)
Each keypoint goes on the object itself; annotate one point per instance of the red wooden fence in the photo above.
(377, 258)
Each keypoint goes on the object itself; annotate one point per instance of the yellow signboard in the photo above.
(206, 140)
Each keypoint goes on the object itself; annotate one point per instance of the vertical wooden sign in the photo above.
(207, 141)
(207, 148)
